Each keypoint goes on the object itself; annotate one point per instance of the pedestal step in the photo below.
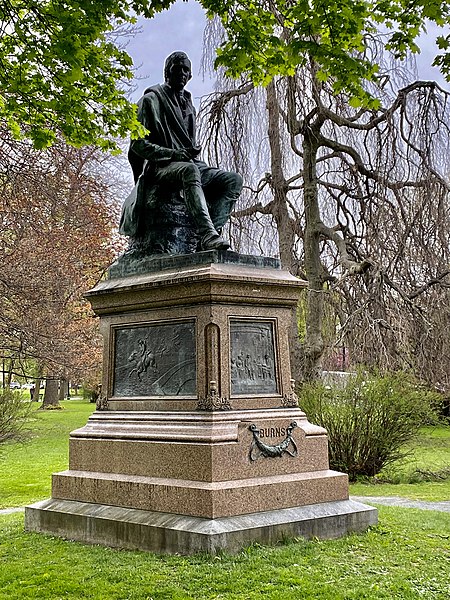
(171, 533)
(198, 498)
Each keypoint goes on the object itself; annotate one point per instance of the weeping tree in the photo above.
(347, 95)
(356, 188)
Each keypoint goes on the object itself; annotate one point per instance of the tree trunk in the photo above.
(51, 399)
(37, 383)
(280, 212)
(278, 183)
(9, 373)
(314, 346)
(63, 390)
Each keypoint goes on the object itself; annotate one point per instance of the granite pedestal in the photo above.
(198, 441)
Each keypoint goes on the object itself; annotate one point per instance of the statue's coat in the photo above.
(167, 131)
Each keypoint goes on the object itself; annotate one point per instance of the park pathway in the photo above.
(384, 500)
(404, 502)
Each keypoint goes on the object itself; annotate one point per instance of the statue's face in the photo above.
(179, 74)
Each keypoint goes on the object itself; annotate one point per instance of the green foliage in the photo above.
(369, 420)
(61, 71)
(14, 415)
(268, 39)
(404, 558)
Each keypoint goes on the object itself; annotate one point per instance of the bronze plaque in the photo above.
(253, 368)
(155, 360)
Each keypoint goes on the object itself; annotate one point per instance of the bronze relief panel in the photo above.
(253, 363)
(155, 360)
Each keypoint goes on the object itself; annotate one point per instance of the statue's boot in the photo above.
(210, 239)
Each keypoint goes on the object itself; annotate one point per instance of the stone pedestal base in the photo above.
(171, 533)
(197, 481)
(199, 442)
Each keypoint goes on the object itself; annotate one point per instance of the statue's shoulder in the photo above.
(153, 89)
(154, 98)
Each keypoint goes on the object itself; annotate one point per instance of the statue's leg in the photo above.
(187, 175)
(222, 189)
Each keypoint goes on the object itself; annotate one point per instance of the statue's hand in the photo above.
(182, 155)
(194, 150)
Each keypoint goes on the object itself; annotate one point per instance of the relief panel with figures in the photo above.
(253, 366)
(155, 360)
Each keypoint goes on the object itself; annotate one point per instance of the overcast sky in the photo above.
(181, 28)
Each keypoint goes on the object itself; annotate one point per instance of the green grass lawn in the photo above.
(423, 475)
(26, 468)
(406, 557)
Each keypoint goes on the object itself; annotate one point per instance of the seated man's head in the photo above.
(177, 70)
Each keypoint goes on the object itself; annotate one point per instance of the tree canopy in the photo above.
(264, 39)
(57, 209)
(62, 71)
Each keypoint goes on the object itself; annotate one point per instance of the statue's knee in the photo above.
(233, 181)
(238, 181)
(190, 173)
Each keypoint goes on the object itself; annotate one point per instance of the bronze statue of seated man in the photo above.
(179, 204)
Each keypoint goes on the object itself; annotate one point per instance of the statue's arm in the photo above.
(149, 116)
(151, 152)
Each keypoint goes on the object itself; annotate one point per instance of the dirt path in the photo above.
(9, 511)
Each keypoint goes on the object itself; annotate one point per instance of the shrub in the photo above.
(14, 414)
(369, 419)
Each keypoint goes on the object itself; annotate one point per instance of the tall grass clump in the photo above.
(369, 419)
(14, 415)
